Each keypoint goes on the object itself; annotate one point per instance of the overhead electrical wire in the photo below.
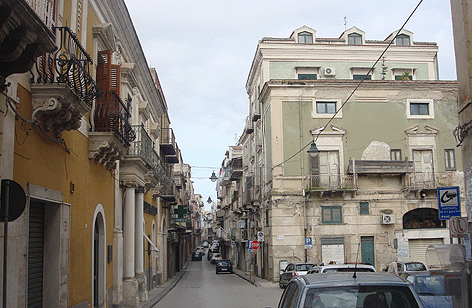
(355, 89)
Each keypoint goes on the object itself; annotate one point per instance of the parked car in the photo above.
(196, 256)
(291, 270)
(406, 267)
(430, 289)
(215, 257)
(224, 266)
(365, 290)
(205, 244)
(316, 269)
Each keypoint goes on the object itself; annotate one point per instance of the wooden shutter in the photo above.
(35, 254)
(107, 114)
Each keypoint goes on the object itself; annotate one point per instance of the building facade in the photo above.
(86, 133)
(384, 143)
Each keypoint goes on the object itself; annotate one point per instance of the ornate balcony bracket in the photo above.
(105, 149)
(23, 38)
(57, 107)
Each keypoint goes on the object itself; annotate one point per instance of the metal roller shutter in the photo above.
(35, 255)
(417, 248)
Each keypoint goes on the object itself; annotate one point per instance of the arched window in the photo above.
(422, 218)
(354, 39)
(305, 38)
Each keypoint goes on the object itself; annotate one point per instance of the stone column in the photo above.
(130, 285)
(139, 246)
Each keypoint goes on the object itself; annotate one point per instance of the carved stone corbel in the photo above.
(57, 107)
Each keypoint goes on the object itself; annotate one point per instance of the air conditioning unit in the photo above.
(328, 71)
(388, 219)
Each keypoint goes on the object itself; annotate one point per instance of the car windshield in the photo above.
(224, 263)
(430, 285)
(415, 267)
(360, 296)
(303, 267)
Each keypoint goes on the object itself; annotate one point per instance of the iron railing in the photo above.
(430, 180)
(142, 145)
(330, 182)
(167, 136)
(71, 65)
(112, 115)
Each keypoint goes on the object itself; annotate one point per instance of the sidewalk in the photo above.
(156, 294)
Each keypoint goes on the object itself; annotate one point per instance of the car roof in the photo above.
(345, 266)
(346, 279)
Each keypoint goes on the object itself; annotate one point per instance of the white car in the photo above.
(216, 256)
(334, 268)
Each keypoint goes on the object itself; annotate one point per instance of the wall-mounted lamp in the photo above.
(209, 200)
(313, 150)
(213, 177)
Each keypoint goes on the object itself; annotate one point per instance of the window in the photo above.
(326, 107)
(362, 77)
(395, 154)
(364, 208)
(354, 39)
(307, 76)
(305, 38)
(332, 215)
(419, 109)
(450, 159)
(404, 77)
(423, 218)
(403, 40)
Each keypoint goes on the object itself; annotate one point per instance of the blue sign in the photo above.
(249, 246)
(308, 243)
(449, 204)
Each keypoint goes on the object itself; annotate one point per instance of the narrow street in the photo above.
(200, 287)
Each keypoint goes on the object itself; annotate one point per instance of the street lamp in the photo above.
(209, 200)
(213, 177)
(313, 150)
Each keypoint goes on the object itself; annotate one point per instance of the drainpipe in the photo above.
(302, 169)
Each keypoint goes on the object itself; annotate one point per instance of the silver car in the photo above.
(349, 290)
(291, 270)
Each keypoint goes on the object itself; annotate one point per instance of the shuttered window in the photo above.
(107, 111)
(417, 248)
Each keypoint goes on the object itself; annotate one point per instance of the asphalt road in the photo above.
(200, 287)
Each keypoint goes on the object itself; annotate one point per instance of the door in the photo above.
(328, 169)
(367, 250)
(424, 173)
(35, 254)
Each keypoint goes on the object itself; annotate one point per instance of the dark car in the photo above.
(196, 256)
(291, 270)
(430, 288)
(362, 290)
(224, 266)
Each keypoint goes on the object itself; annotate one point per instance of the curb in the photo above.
(153, 301)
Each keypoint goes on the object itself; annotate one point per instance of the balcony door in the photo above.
(424, 171)
(325, 169)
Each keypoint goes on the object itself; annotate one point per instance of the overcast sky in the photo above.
(203, 51)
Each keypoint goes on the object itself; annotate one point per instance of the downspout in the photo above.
(302, 168)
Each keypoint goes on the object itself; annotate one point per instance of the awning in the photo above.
(150, 242)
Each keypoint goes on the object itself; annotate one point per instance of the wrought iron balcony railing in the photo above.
(430, 180)
(71, 65)
(112, 115)
(142, 145)
(330, 182)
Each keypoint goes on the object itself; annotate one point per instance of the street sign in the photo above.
(260, 236)
(458, 227)
(308, 243)
(241, 224)
(448, 202)
(249, 244)
(255, 245)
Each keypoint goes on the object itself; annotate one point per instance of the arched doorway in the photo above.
(98, 260)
